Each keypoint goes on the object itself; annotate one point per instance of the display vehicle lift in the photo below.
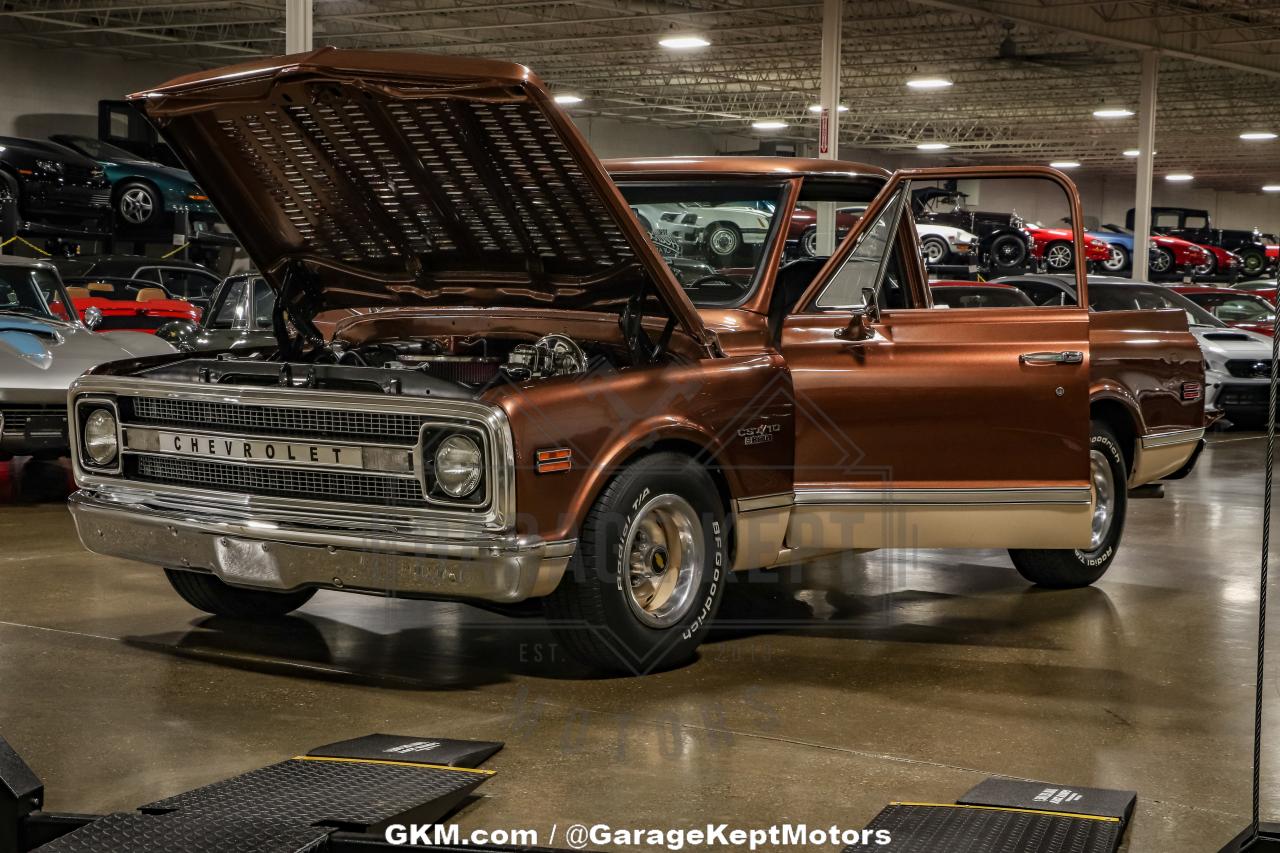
(335, 799)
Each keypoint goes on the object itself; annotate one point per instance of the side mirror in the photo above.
(93, 316)
(862, 326)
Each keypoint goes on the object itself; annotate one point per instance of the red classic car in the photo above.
(1220, 261)
(1171, 255)
(120, 304)
(803, 230)
(1053, 247)
(1237, 308)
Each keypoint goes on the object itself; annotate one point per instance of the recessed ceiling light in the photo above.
(1179, 177)
(1132, 152)
(1257, 135)
(568, 99)
(683, 42)
(1271, 188)
(1112, 112)
(933, 146)
(929, 83)
(817, 108)
(1065, 164)
(772, 124)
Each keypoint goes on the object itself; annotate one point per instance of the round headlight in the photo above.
(459, 466)
(100, 441)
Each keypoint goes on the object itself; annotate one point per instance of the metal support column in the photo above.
(1146, 160)
(297, 25)
(829, 124)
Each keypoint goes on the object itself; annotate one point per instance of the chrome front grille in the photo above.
(329, 424)
(393, 484)
(281, 482)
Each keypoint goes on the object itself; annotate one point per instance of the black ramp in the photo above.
(347, 793)
(929, 828)
(1051, 797)
(130, 832)
(420, 750)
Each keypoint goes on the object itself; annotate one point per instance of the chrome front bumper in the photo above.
(280, 556)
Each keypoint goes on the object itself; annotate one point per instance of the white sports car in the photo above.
(721, 230)
(940, 242)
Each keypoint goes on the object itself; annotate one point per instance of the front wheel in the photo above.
(649, 571)
(1162, 261)
(1059, 256)
(1209, 267)
(138, 205)
(1108, 481)
(208, 593)
(935, 249)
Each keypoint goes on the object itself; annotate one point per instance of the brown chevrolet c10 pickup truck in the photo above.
(535, 400)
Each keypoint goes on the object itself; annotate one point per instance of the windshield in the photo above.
(1235, 307)
(32, 291)
(230, 308)
(713, 235)
(1144, 297)
(99, 150)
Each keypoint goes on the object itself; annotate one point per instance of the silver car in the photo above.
(43, 348)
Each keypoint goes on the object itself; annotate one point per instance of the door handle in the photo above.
(1071, 356)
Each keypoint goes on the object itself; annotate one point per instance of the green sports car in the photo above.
(144, 195)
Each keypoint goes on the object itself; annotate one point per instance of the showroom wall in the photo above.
(613, 138)
(56, 91)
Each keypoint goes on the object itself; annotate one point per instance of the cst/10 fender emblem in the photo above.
(759, 434)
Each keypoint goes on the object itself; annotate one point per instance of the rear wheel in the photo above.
(724, 239)
(1008, 251)
(1108, 480)
(649, 572)
(208, 593)
(1119, 260)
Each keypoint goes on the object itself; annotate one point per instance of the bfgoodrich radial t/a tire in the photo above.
(1064, 569)
(208, 593)
(649, 572)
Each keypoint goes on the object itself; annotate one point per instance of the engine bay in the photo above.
(453, 366)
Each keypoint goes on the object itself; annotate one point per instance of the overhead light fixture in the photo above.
(1257, 135)
(1065, 164)
(1112, 112)
(817, 108)
(1179, 177)
(568, 99)
(1132, 152)
(683, 42)
(1271, 188)
(932, 146)
(771, 124)
(926, 83)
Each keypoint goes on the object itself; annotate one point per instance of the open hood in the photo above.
(379, 180)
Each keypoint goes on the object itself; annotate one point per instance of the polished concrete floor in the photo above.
(823, 695)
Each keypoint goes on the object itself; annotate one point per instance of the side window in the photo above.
(869, 263)
(148, 274)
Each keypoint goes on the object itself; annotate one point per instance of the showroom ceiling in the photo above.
(1027, 74)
